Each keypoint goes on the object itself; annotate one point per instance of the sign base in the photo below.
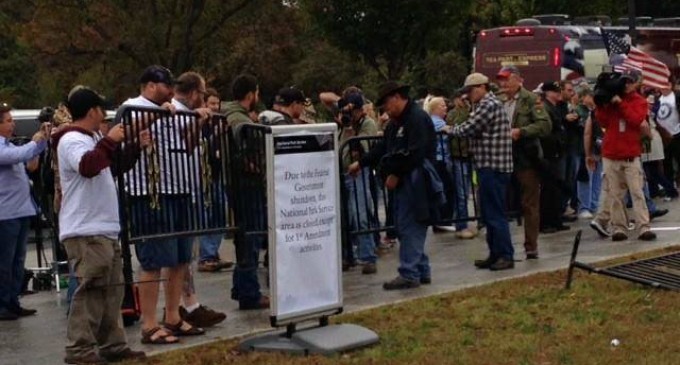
(327, 340)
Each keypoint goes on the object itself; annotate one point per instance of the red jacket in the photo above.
(621, 123)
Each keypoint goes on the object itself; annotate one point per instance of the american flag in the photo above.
(655, 73)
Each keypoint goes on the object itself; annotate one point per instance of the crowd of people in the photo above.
(554, 152)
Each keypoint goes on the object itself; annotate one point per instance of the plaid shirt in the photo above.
(488, 128)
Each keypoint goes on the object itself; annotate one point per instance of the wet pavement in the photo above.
(40, 339)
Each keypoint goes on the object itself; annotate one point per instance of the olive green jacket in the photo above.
(459, 146)
(236, 114)
(533, 121)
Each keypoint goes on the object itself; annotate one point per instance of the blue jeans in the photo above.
(589, 192)
(252, 218)
(13, 236)
(360, 213)
(462, 179)
(493, 187)
(215, 216)
(413, 262)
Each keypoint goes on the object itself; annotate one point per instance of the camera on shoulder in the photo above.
(608, 85)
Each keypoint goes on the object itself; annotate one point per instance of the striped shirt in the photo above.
(488, 129)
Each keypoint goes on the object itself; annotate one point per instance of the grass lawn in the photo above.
(531, 320)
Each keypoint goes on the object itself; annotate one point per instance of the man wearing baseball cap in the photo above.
(488, 129)
(89, 228)
(529, 123)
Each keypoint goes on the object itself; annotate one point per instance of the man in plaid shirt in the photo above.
(488, 128)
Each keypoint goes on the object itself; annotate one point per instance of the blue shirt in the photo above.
(443, 148)
(15, 193)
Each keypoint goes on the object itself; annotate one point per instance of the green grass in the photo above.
(530, 320)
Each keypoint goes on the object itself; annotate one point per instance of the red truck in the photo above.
(559, 52)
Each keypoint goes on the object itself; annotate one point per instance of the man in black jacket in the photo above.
(409, 141)
(552, 192)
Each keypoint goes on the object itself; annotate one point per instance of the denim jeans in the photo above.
(413, 262)
(215, 218)
(589, 192)
(252, 217)
(493, 187)
(360, 213)
(462, 180)
(13, 236)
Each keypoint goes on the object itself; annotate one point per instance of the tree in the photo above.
(389, 36)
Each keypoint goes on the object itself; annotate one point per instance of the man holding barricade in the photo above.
(405, 157)
(161, 197)
(89, 229)
(491, 145)
(529, 123)
(246, 288)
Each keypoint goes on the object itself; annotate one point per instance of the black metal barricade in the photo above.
(371, 202)
(175, 187)
(248, 163)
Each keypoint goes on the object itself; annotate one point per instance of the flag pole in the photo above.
(632, 22)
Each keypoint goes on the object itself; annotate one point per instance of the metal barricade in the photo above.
(177, 186)
(366, 203)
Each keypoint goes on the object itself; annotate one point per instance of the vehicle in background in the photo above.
(27, 124)
(553, 47)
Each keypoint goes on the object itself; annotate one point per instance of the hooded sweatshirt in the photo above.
(89, 202)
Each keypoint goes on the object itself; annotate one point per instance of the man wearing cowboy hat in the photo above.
(406, 149)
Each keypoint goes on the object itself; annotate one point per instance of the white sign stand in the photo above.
(303, 196)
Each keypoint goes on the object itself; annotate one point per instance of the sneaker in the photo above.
(599, 228)
(502, 264)
(439, 229)
(209, 266)
(369, 268)
(585, 215)
(127, 354)
(400, 283)
(23, 312)
(619, 236)
(224, 264)
(426, 280)
(204, 317)
(91, 359)
(466, 234)
(647, 236)
(532, 256)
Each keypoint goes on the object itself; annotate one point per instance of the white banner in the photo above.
(305, 230)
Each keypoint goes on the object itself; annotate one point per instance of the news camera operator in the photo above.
(622, 112)
(353, 122)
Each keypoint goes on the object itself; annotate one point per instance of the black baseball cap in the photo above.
(157, 74)
(551, 86)
(290, 95)
(82, 100)
(353, 98)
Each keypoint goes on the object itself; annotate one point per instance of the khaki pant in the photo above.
(530, 190)
(621, 176)
(94, 318)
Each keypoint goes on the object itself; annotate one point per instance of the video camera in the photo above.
(608, 85)
(356, 101)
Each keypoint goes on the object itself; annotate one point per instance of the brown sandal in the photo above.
(147, 337)
(177, 330)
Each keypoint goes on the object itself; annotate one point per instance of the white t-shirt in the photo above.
(90, 205)
(135, 179)
(668, 114)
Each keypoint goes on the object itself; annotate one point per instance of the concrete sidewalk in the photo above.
(40, 339)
